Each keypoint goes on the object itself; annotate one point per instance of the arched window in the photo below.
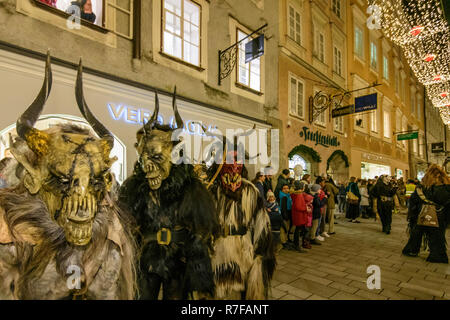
(297, 159)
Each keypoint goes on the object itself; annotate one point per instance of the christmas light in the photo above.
(421, 30)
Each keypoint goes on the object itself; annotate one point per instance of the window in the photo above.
(337, 7)
(387, 124)
(249, 74)
(294, 25)
(419, 111)
(374, 121)
(319, 44)
(397, 81)
(181, 30)
(413, 102)
(415, 145)
(359, 121)
(337, 67)
(373, 55)
(359, 42)
(385, 68)
(321, 119)
(339, 124)
(296, 97)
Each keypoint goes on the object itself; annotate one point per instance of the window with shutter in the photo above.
(119, 17)
(294, 25)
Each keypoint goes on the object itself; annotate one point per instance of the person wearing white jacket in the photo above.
(364, 198)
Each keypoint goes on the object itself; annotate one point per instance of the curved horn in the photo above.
(98, 127)
(148, 126)
(25, 123)
(178, 119)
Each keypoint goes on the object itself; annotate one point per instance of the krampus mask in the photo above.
(70, 167)
(155, 146)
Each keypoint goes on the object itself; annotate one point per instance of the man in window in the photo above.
(51, 3)
(85, 11)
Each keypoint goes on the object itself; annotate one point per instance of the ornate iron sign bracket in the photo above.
(228, 57)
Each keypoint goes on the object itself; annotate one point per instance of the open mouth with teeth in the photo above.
(154, 181)
(77, 217)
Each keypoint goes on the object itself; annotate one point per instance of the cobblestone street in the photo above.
(337, 269)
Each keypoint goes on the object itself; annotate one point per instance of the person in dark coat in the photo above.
(353, 205)
(383, 200)
(282, 180)
(259, 184)
(276, 220)
(436, 188)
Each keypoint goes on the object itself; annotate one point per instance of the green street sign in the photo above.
(408, 136)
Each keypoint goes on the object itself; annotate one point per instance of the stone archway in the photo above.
(338, 166)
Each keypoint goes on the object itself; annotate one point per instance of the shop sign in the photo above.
(437, 147)
(343, 111)
(319, 138)
(366, 103)
(134, 115)
(408, 136)
(254, 49)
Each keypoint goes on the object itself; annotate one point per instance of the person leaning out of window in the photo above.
(435, 191)
(85, 11)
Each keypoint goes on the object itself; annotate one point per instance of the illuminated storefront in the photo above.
(372, 170)
(120, 105)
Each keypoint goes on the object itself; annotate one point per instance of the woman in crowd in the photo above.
(434, 190)
(318, 203)
(332, 191)
(342, 197)
(353, 199)
(364, 199)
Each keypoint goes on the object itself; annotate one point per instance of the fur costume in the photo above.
(244, 259)
(169, 200)
(61, 235)
(383, 193)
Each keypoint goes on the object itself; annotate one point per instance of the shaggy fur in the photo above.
(243, 263)
(182, 201)
(43, 254)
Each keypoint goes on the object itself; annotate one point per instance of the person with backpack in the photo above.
(429, 215)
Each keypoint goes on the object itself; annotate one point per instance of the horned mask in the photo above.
(70, 167)
(155, 146)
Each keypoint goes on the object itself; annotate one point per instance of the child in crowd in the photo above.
(301, 211)
(286, 207)
(319, 202)
(276, 220)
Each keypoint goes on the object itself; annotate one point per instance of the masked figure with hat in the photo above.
(383, 193)
(244, 258)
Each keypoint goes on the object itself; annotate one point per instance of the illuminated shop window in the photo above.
(181, 27)
(298, 160)
(47, 121)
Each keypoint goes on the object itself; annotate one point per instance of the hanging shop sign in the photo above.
(319, 138)
(408, 136)
(254, 49)
(366, 103)
(343, 111)
(437, 147)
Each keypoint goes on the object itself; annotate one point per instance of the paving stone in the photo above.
(314, 278)
(314, 287)
(316, 297)
(430, 284)
(363, 286)
(294, 291)
(316, 272)
(290, 297)
(432, 292)
(393, 295)
(369, 295)
(332, 266)
(343, 287)
(284, 277)
(345, 296)
(276, 293)
(338, 279)
(416, 294)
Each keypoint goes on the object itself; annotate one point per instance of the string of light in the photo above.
(420, 29)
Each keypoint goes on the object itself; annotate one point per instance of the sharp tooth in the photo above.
(89, 203)
(69, 206)
(84, 203)
(64, 207)
(75, 204)
(95, 205)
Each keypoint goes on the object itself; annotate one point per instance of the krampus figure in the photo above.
(175, 214)
(61, 235)
(243, 259)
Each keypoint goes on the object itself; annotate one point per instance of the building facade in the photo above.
(131, 49)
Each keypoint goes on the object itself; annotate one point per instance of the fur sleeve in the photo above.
(199, 211)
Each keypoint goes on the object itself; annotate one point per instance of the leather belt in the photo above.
(166, 236)
(383, 198)
(232, 231)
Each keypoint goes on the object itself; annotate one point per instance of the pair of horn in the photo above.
(36, 139)
(149, 125)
